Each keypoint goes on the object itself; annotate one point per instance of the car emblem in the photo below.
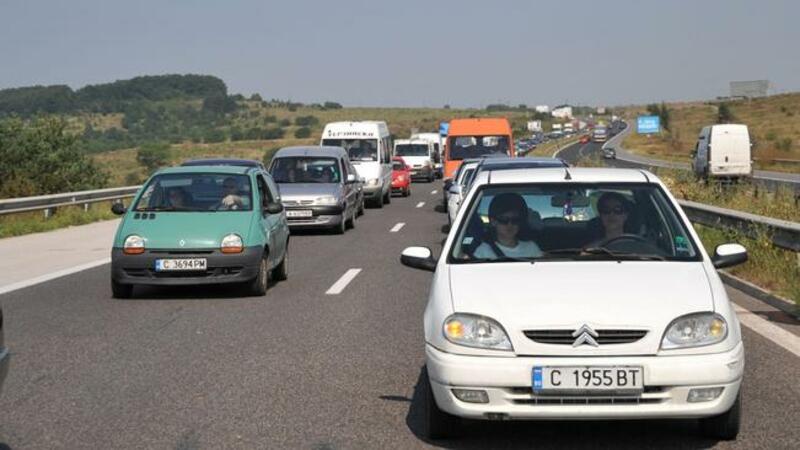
(585, 335)
(181, 242)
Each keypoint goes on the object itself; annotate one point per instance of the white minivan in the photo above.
(418, 154)
(578, 294)
(369, 146)
(438, 148)
(723, 151)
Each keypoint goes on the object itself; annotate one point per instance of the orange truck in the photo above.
(474, 138)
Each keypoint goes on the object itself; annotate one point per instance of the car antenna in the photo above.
(567, 175)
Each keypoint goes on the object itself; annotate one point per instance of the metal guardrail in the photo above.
(47, 203)
(784, 234)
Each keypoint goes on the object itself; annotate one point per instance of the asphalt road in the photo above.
(205, 368)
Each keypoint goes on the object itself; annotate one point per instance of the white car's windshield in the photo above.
(357, 149)
(411, 150)
(572, 221)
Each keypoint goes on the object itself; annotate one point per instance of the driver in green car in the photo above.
(231, 199)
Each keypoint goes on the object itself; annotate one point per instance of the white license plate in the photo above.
(575, 379)
(186, 264)
(300, 213)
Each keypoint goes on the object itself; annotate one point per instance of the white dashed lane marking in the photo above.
(420, 204)
(397, 227)
(433, 192)
(342, 283)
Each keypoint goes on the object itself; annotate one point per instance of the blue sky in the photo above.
(412, 52)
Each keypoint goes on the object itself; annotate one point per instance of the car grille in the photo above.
(298, 202)
(605, 337)
(651, 395)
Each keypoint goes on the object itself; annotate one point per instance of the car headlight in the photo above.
(401, 178)
(472, 330)
(695, 330)
(373, 182)
(326, 200)
(134, 245)
(231, 243)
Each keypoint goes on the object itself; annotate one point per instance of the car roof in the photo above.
(222, 162)
(479, 126)
(559, 175)
(233, 170)
(310, 150)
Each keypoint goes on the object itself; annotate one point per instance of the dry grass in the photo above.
(774, 124)
(34, 222)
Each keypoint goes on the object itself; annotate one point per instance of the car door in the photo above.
(281, 225)
(270, 223)
(350, 192)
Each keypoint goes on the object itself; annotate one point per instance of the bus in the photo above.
(474, 138)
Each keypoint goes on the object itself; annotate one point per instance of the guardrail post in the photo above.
(85, 207)
(47, 213)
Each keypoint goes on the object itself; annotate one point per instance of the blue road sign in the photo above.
(648, 124)
(443, 127)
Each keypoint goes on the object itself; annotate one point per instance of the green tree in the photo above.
(302, 133)
(41, 157)
(214, 136)
(153, 155)
(306, 121)
(332, 105)
(724, 114)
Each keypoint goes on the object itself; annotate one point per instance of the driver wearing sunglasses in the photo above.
(613, 209)
(508, 213)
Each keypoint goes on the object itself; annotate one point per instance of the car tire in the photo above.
(407, 192)
(379, 202)
(438, 424)
(258, 286)
(351, 224)
(119, 290)
(726, 425)
(361, 207)
(388, 197)
(341, 227)
(281, 273)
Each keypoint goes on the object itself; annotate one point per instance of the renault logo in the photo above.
(585, 335)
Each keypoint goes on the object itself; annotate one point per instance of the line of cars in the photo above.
(226, 221)
(575, 293)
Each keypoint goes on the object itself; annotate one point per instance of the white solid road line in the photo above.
(433, 192)
(397, 227)
(420, 204)
(774, 333)
(52, 276)
(342, 283)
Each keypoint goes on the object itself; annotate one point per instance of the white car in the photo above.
(457, 191)
(580, 294)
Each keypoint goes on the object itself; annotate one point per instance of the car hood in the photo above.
(308, 191)
(166, 230)
(627, 295)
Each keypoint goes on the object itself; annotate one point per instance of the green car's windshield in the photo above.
(598, 221)
(196, 192)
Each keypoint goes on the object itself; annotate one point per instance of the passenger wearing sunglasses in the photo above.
(507, 215)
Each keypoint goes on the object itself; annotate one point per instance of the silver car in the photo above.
(319, 187)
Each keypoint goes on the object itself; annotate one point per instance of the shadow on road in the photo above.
(549, 434)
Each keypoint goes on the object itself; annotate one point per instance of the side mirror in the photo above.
(351, 178)
(727, 255)
(273, 208)
(118, 209)
(418, 258)
(447, 183)
(455, 189)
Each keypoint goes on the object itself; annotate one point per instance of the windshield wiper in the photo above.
(619, 256)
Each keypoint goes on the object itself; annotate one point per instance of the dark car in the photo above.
(225, 162)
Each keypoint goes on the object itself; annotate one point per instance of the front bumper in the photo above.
(507, 381)
(220, 268)
(321, 217)
(373, 191)
(422, 172)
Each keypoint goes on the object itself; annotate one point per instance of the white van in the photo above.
(438, 149)
(418, 154)
(369, 146)
(723, 151)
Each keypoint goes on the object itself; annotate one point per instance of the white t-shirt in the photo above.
(524, 249)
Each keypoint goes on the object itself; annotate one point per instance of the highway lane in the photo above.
(204, 368)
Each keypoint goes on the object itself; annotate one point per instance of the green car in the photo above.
(201, 225)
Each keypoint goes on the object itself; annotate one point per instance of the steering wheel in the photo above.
(623, 237)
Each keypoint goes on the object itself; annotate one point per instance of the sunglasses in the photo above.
(506, 220)
(617, 210)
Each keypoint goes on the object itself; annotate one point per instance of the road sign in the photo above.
(648, 124)
(443, 127)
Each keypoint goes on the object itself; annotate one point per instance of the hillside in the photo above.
(774, 124)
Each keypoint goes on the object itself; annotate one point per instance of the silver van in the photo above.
(319, 187)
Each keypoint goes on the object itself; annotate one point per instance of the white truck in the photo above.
(418, 155)
(723, 151)
(438, 149)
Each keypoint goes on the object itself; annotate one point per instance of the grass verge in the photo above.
(34, 221)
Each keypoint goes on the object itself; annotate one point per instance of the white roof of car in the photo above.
(362, 129)
(558, 175)
(411, 141)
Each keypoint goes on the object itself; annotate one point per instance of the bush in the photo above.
(153, 155)
(253, 134)
(42, 158)
(269, 118)
(771, 135)
(306, 121)
(332, 105)
(285, 123)
(272, 133)
(784, 144)
(214, 136)
(302, 133)
(724, 114)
